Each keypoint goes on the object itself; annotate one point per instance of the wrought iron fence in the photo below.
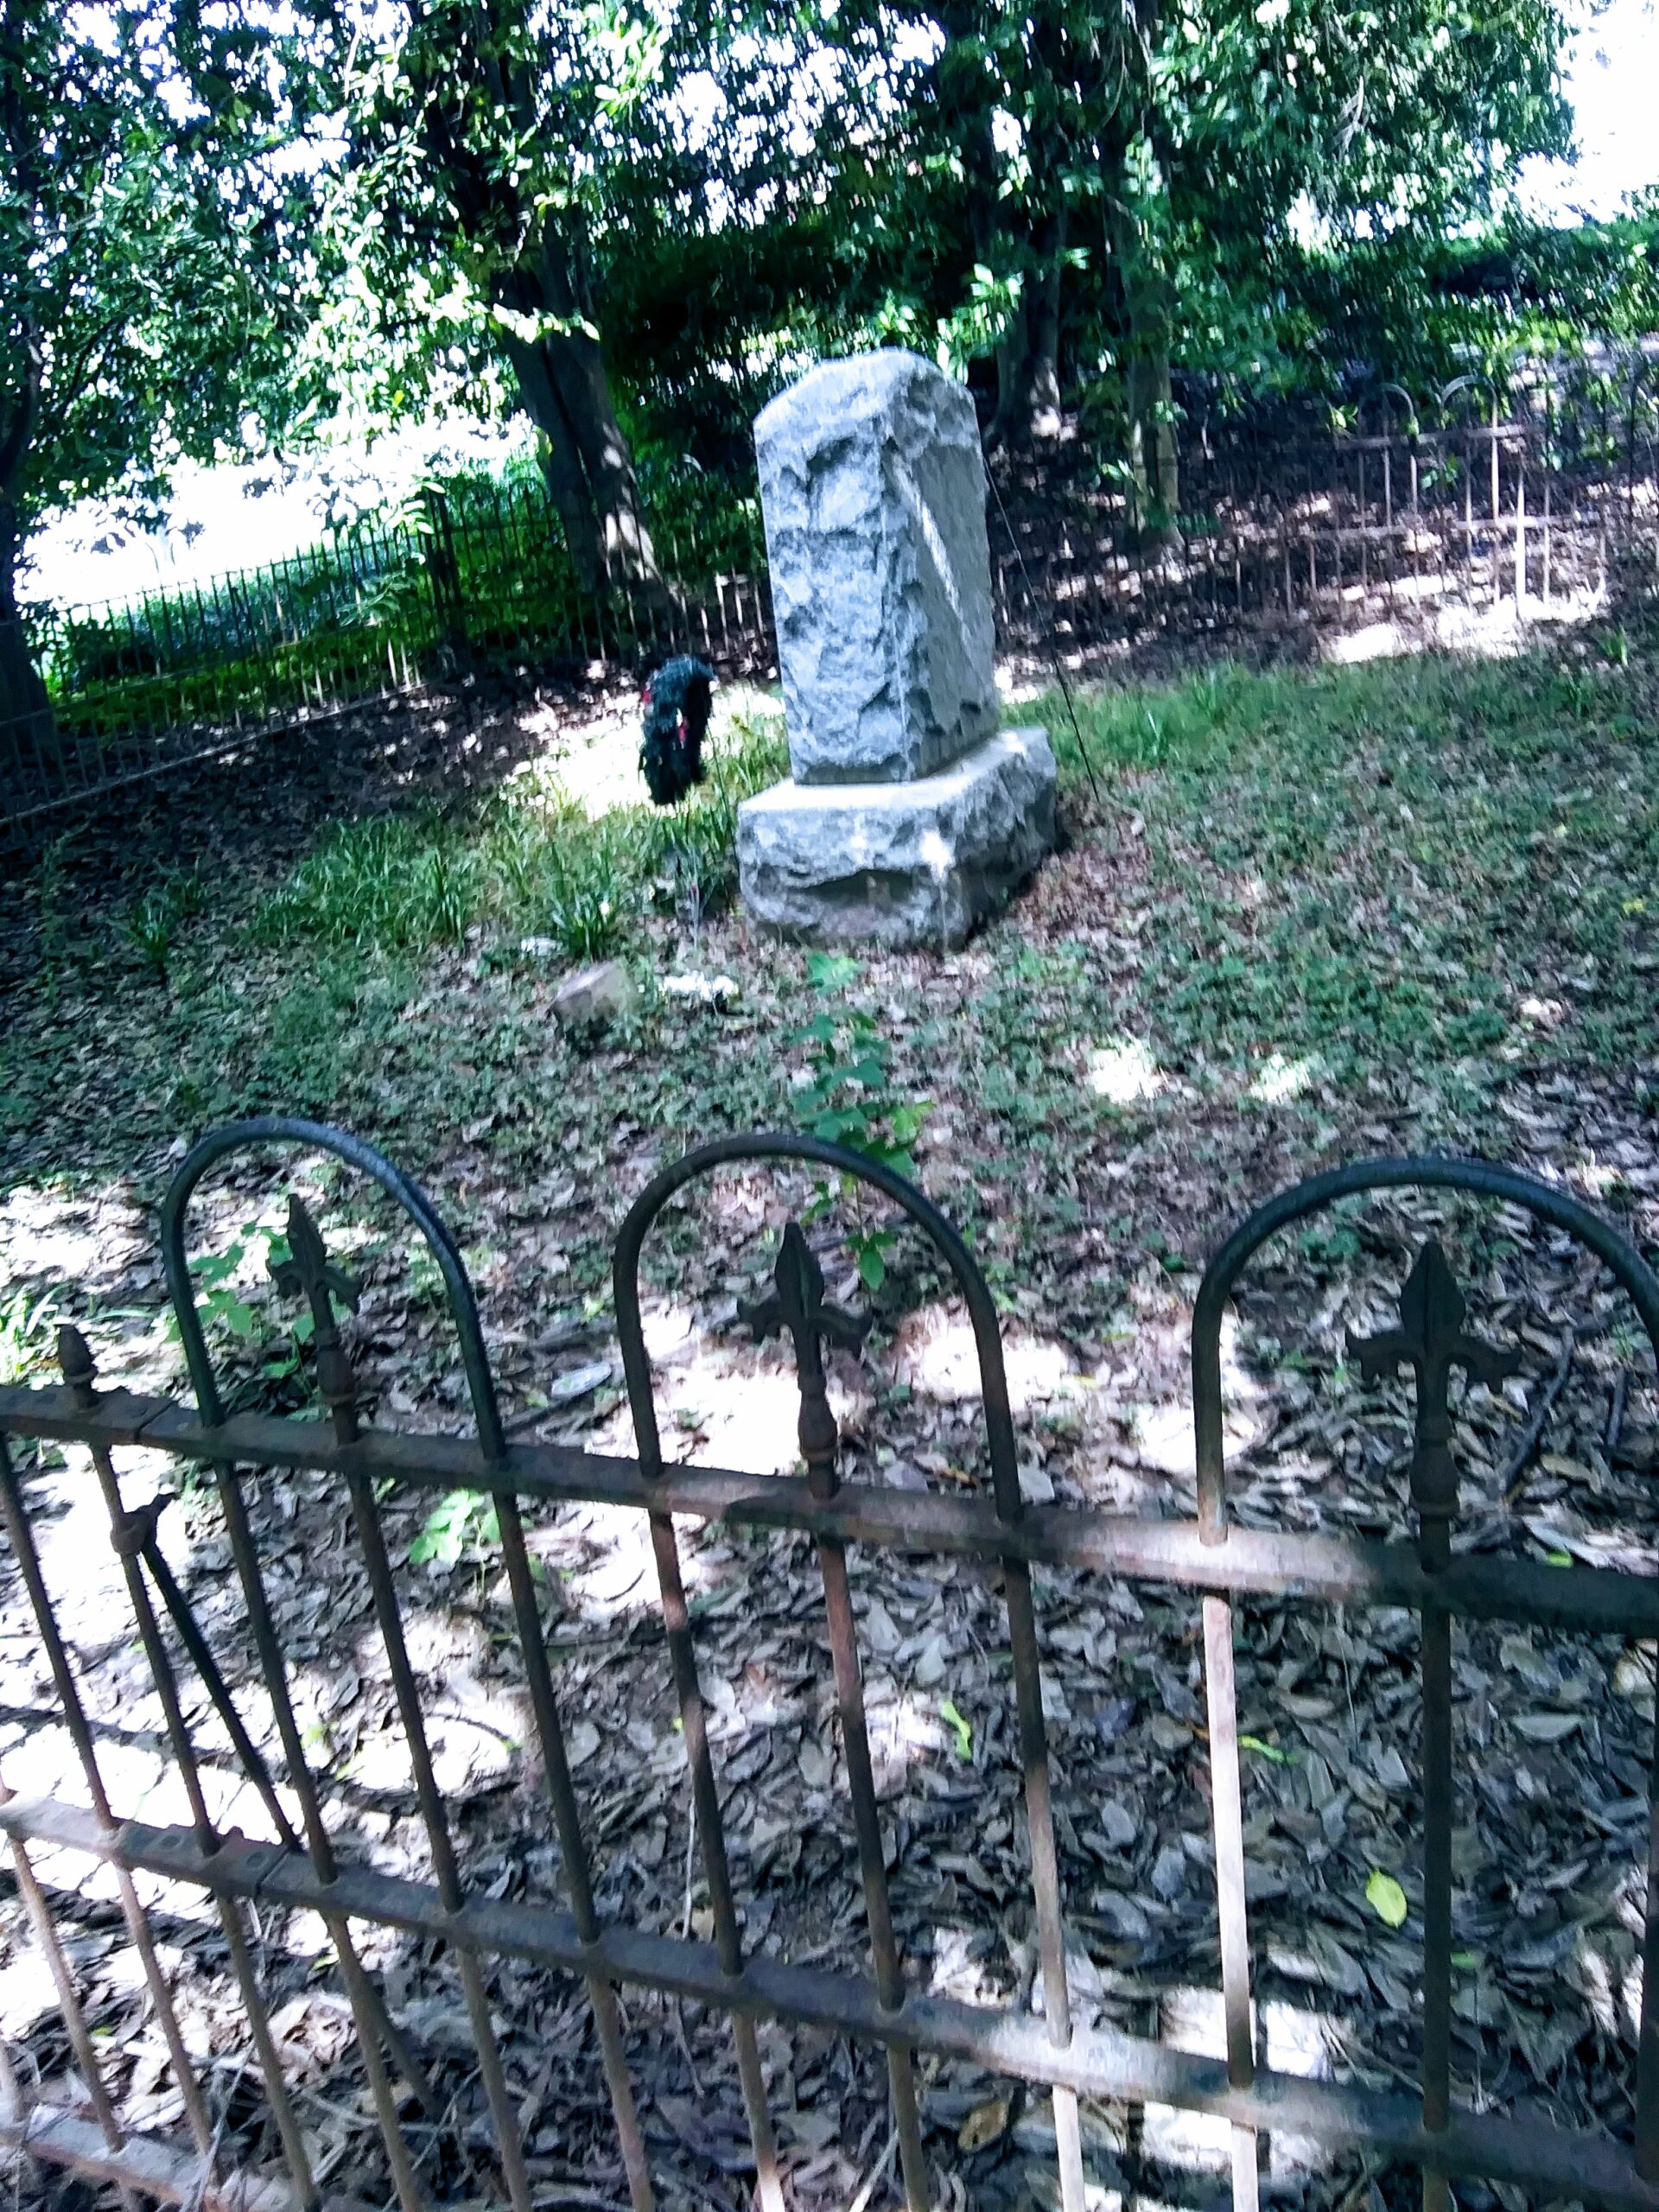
(1548, 514)
(303, 1863)
(474, 580)
(1426, 528)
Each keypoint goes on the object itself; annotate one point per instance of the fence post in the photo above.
(443, 574)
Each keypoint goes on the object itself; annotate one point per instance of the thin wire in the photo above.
(1053, 657)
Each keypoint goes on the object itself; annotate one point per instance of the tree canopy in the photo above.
(222, 220)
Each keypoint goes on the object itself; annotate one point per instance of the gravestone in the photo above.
(908, 814)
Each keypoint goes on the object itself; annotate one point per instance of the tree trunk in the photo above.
(26, 718)
(1155, 461)
(566, 393)
(1153, 455)
(1029, 357)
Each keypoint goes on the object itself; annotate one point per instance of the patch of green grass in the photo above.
(28, 1334)
(1428, 865)
(526, 861)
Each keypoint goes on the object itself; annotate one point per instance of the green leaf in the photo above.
(830, 971)
(905, 1123)
(872, 1268)
(964, 1734)
(1386, 1898)
(1266, 1751)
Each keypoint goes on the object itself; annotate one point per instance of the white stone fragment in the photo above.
(873, 486)
(594, 996)
(899, 864)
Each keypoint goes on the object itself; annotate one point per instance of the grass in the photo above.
(1445, 866)
(1317, 911)
(529, 863)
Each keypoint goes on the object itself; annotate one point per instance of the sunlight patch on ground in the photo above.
(1164, 1432)
(1279, 1079)
(1123, 1070)
(934, 1352)
(615, 1572)
(1297, 2042)
(725, 1401)
(70, 1239)
(140, 1777)
(1499, 630)
(596, 763)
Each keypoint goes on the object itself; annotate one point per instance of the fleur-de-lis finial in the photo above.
(798, 1304)
(1432, 1340)
(308, 1272)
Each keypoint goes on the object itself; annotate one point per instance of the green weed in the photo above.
(847, 1098)
(28, 1334)
(461, 1520)
(526, 863)
(152, 925)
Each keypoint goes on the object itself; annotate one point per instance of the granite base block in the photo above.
(915, 863)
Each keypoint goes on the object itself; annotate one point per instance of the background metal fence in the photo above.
(474, 580)
(264, 2157)
(1548, 513)
(1434, 529)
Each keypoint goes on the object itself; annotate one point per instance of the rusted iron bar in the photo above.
(74, 2020)
(1098, 2063)
(694, 1718)
(711, 1839)
(128, 1533)
(572, 1848)
(1287, 1563)
(369, 2015)
(308, 1272)
(1227, 1822)
(1005, 1481)
(154, 2169)
(26, 1554)
(1432, 1340)
(798, 1305)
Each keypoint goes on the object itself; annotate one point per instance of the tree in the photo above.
(153, 293)
(1133, 175)
(492, 148)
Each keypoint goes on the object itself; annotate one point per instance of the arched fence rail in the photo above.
(301, 1865)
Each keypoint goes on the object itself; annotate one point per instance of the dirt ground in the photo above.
(1091, 1219)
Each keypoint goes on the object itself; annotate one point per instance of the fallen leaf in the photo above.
(1545, 1727)
(1386, 1898)
(984, 2124)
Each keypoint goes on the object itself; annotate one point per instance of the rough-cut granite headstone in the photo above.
(908, 816)
(873, 487)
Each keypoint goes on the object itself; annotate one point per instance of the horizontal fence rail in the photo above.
(1430, 530)
(304, 1865)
